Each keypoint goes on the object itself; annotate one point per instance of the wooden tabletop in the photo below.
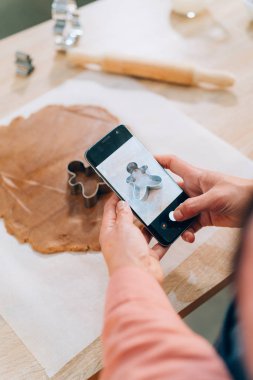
(221, 38)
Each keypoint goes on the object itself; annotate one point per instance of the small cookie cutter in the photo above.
(24, 66)
(67, 27)
(90, 200)
(150, 182)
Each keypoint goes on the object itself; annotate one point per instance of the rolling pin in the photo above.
(165, 72)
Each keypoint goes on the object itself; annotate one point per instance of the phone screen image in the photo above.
(140, 180)
(134, 174)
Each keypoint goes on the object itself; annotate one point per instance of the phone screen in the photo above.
(147, 197)
(134, 174)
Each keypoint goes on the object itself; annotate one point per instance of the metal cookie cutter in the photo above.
(24, 66)
(141, 181)
(67, 27)
(77, 168)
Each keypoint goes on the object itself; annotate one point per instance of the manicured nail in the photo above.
(178, 215)
(121, 205)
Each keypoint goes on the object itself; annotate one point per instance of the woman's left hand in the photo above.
(124, 244)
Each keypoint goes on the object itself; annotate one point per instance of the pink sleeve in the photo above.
(144, 338)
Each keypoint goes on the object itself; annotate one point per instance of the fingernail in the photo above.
(121, 205)
(178, 215)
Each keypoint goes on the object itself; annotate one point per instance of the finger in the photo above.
(124, 213)
(175, 164)
(159, 251)
(147, 235)
(109, 215)
(196, 226)
(181, 184)
(189, 234)
(194, 206)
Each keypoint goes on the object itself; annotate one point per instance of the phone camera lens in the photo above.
(163, 226)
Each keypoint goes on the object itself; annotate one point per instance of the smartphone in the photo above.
(135, 176)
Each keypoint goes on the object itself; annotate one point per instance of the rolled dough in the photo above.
(35, 200)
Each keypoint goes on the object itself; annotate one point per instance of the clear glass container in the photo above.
(188, 8)
(67, 27)
(63, 9)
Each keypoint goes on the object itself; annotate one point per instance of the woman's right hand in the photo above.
(215, 199)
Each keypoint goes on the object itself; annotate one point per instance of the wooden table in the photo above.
(221, 38)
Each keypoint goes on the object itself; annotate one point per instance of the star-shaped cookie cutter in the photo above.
(90, 199)
(150, 182)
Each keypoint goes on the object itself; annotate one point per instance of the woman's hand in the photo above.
(124, 244)
(216, 199)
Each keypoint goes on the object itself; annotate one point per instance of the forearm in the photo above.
(145, 339)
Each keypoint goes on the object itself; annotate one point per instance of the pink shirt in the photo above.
(145, 339)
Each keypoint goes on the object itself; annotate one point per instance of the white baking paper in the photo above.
(55, 303)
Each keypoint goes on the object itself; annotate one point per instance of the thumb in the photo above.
(124, 213)
(194, 206)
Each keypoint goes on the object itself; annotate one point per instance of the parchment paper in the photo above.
(55, 303)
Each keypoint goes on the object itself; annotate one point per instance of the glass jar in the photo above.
(188, 8)
(67, 27)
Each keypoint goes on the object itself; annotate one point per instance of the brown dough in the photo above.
(35, 199)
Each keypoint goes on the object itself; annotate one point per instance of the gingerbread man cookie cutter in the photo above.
(76, 168)
(141, 181)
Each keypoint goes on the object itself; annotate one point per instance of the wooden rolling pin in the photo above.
(172, 73)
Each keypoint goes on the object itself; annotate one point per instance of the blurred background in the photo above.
(17, 15)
